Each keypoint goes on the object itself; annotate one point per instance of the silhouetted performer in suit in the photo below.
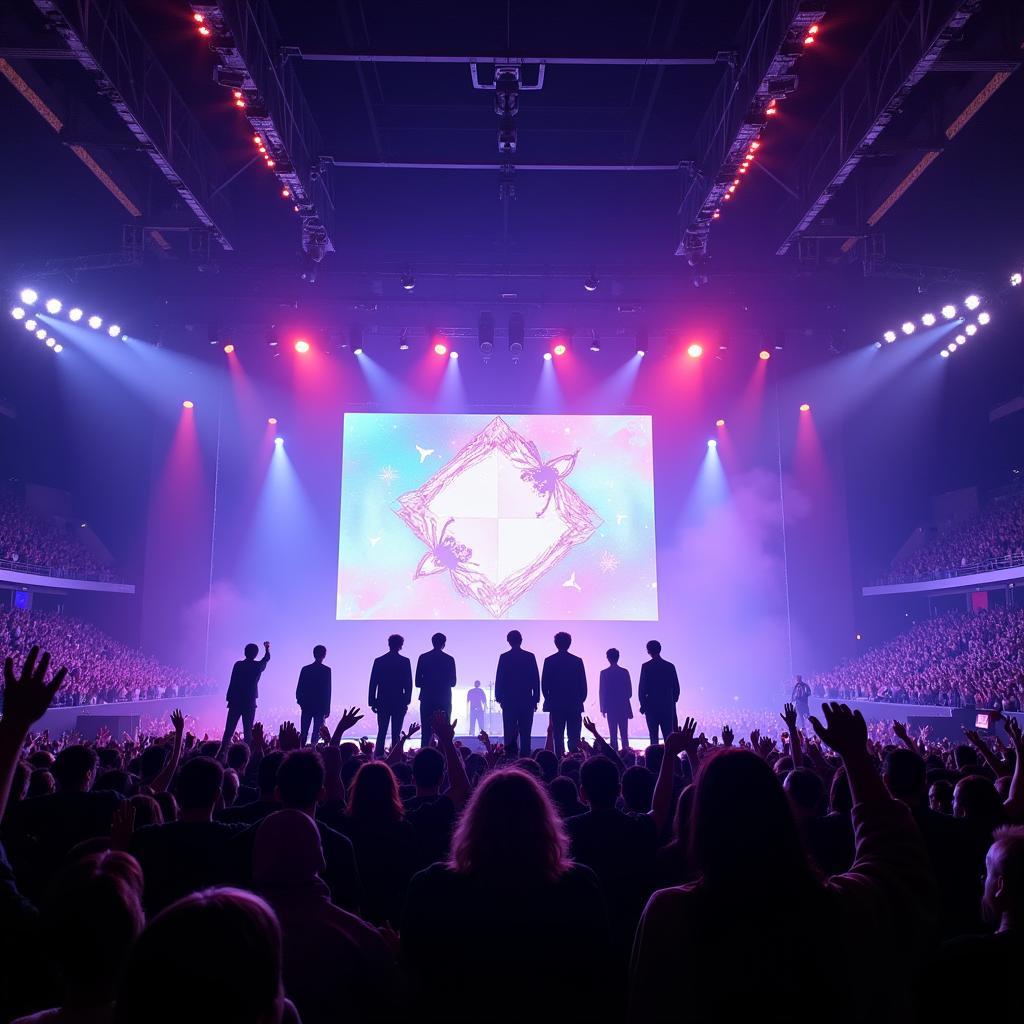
(313, 694)
(390, 692)
(615, 693)
(801, 700)
(564, 685)
(517, 690)
(243, 691)
(658, 693)
(435, 679)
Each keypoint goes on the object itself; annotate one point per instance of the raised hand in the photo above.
(266, 646)
(845, 731)
(900, 731)
(413, 729)
(443, 729)
(366, 747)
(727, 736)
(102, 736)
(589, 725)
(485, 739)
(288, 736)
(1013, 730)
(325, 734)
(349, 718)
(28, 695)
(789, 717)
(178, 721)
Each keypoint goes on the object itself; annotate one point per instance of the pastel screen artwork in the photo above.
(497, 517)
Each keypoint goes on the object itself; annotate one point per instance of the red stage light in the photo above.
(272, 421)
(229, 348)
(286, 192)
(695, 351)
(764, 354)
(716, 215)
(237, 94)
(814, 30)
(808, 40)
(441, 349)
(805, 407)
(772, 110)
(728, 195)
(755, 145)
(719, 423)
(198, 18)
(559, 349)
(302, 346)
(258, 139)
(271, 163)
(743, 169)
(187, 404)
(203, 30)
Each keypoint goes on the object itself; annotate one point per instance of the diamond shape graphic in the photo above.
(497, 517)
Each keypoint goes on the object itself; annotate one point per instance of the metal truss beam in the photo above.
(109, 45)
(410, 58)
(909, 44)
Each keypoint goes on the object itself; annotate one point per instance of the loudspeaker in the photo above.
(88, 726)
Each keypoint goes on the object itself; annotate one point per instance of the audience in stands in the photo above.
(849, 872)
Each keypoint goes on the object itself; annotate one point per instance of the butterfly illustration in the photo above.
(446, 554)
(544, 477)
(424, 453)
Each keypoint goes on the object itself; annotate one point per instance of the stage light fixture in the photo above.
(408, 282)
(516, 336)
(187, 404)
(878, 344)
(114, 330)
(591, 283)
(595, 341)
(285, 192)
(951, 348)
(124, 337)
(278, 442)
(204, 30)
(58, 347)
(814, 29)
(695, 351)
(559, 349)
(53, 306)
(547, 357)
(358, 350)
(712, 443)
(74, 314)
(719, 423)
(95, 322)
(984, 318)
(403, 342)
(440, 348)
(908, 327)
(272, 421)
(485, 335)
(948, 311)
(41, 333)
(944, 354)
(961, 339)
(28, 296)
(928, 320)
(229, 348)
(50, 342)
(805, 407)
(972, 302)
(889, 336)
(764, 355)
(971, 330)
(302, 346)
(18, 313)
(1016, 278)
(453, 354)
(30, 325)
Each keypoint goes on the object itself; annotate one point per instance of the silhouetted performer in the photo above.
(435, 678)
(564, 685)
(243, 691)
(517, 690)
(801, 698)
(313, 694)
(390, 691)
(615, 692)
(658, 693)
(476, 704)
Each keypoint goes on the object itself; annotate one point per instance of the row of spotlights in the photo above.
(948, 312)
(29, 297)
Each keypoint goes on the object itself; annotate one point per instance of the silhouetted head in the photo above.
(510, 831)
(147, 810)
(904, 775)
(548, 763)
(612, 655)
(637, 788)
(565, 795)
(199, 784)
(1004, 877)
(563, 641)
(940, 796)
(75, 768)
(438, 640)
(428, 768)
(975, 798)
(229, 931)
(654, 648)
(266, 774)
(514, 638)
(151, 761)
(287, 852)
(251, 650)
(319, 652)
(476, 684)
(396, 642)
(238, 756)
(374, 794)
(745, 838)
(599, 783)
(965, 756)
(806, 792)
(300, 779)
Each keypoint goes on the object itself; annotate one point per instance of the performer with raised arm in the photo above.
(390, 692)
(435, 679)
(517, 690)
(658, 693)
(313, 694)
(243, 691)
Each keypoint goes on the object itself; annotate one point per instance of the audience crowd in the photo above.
(165, 878)
(995, 532)
(100, 670)
(39, 542)
(954, 660)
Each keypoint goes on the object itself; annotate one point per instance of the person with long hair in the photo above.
(550, 939)
(760, 920)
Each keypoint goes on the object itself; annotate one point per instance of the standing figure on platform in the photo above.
(390, 692)
(615, 695)
(476, 705)
(658, 693)
(517, 690)
(801, 700)
(564, 685)
(313, 694)
(242, 693)
(435, 679)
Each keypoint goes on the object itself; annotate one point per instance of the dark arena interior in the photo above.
(511, 508)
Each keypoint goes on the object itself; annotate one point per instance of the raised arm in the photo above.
(988, 755)
(675, 744)
(349, 717)
(603, 746)
(1014, 804)
(458, 780)
(795, 748)
(163, 779)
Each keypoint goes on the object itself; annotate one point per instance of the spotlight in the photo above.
(814, 30)
(187, 404)
(358, 350)
(30, 325)
(28, 296)
(908, 327)
(547, 356)
(559, 349)
(278, 442)
(95, 322)
(229, 348)
(302, 346)
(74, 314)
(591, 283)
(516, 336)
(403, 342)
(983, 318)
(114, 330)
(50, 342)
(889, 336)
(641, 342)
(719, 423)
(41, 333)
(948, 311)
(944, 354)
(928, 320)
(764, 355)
(58, 347)
(805, 407)
(712, 443)
(440, 348)
(972, 302)
(960, 339)
(1015, 279)
(124, 337)
(285, 192)
(272, 421)
(453, 354)
(878, 344)
(204, 30)
(408, 282)
(695, 351)
(18, 313)
(951, 348)
(53, 306)
(485, 335)
(595, 342)
(971, 330)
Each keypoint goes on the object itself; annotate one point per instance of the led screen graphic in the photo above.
(497, 517)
